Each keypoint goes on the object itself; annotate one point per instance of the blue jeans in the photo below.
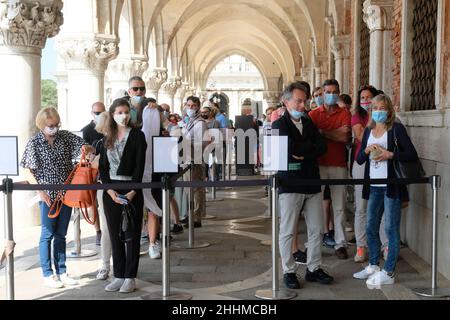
(55, 229)
(379, 202)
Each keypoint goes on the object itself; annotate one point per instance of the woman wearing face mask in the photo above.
(377, 154)
(359, 123)
(210, 117)
(122, 160)
(48, 159)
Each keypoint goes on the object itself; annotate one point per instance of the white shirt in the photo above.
(298, 125)
(378, 169)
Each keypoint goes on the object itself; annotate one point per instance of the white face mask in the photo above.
(191, 113)
(121, 119)
(51, 131)
(97, 118)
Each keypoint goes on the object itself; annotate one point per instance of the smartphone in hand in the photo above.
(122, 199)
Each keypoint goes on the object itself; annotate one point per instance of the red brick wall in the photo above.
(349, 23)
(396, 48)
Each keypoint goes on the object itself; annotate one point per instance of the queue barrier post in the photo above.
(166, 293)
(77, 251)
(275, 293)
(9, 238)
(191, 244)
(434, 291)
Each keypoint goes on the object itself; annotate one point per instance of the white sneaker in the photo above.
(68, 281)
(103, 274)
(129, 285)
(367, 272)
(53, 282)
(154, 251)
(115, 285)
(378, 279)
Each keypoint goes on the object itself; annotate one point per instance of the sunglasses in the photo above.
(138, 88)
(97, 113)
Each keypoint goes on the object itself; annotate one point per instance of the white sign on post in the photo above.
(165, 154)
(275, 153)
(9, 161)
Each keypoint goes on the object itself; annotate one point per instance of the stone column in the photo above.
(377, 16)
(179, 97)
(272, 98)
(168, 90)
(120, 70)
(86, 61)
(24, 29)
(320, 69)
(154, 78)
(340, 47)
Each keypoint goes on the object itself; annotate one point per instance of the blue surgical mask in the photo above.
(331, 99)
(379, 116)
(319, 101)
(296, 114)
(137, 99)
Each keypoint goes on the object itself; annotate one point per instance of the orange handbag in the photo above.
(83, 173)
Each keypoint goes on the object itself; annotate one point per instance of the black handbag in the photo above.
(407, 169)
(127, 224)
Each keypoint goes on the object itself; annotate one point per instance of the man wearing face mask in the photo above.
(92, 136)
(305, 146)
(334, 124)
(137, 95)
(193, 132)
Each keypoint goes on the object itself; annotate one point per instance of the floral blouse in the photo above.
(52, 164)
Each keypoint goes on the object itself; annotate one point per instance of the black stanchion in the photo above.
(434, 291)
(166, 293)
(9, 238)
(275, 293)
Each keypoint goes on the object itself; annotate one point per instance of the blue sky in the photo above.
(49, 55)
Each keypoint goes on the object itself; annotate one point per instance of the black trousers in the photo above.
(125, 254)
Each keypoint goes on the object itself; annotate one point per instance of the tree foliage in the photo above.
(49, 94)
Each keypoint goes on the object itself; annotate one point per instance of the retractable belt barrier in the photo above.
(274, 182)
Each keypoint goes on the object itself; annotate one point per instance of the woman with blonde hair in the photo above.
(377, 152)
(49, 159)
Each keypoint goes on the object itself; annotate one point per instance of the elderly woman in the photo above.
(48, 159)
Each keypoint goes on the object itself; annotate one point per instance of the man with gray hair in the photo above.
(305, 146)
(136, 91)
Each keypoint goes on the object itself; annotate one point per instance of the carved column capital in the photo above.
(340, 46)
(171, 86)
(92, 54)
(182, 90)
(29, 23)
(124, 68)
(154, 78)
(377, 14)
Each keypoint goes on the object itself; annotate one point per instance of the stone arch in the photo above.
(242, 53)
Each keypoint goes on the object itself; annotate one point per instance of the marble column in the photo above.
(154, 78)
(168, 90)
(86, 62)
(340, 47)
(378, 17)
(24, 29)
(320, 72)
(179, 97)
(272, 98)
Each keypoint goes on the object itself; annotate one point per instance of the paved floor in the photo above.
(234, 266)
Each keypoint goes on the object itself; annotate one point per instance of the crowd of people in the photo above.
(328, 138)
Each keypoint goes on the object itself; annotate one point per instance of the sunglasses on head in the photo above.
(138, 88)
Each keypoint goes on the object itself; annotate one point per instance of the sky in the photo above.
(49, 55)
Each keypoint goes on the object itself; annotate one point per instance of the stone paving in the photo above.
(234, 266)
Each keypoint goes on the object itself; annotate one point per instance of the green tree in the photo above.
(49, 94)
